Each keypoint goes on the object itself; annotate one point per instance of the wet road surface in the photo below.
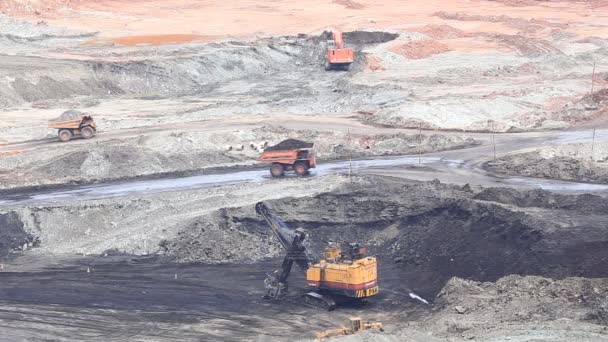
(456, 166)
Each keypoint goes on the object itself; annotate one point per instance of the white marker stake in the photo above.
(415, 296)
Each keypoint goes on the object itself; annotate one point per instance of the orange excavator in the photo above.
(338, 57)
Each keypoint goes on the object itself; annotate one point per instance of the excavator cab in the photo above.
(355, 323)
(332, 254)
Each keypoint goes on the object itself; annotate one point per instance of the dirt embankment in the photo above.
(565, 162)
(13, 237)
(190, 152)
(468, 306)
(36, 80)
(152, 224)
(513, 308)
(491, 233)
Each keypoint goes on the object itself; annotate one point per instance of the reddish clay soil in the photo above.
(248, 18)
(520, 3)
(374, 63)
(420, 49)
(442, 32)
(350, 4)
(153, 39)
(557, 103)
(36, 7)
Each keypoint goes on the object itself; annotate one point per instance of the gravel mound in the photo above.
(68, 115)
(534, 164)
(290, 144)
(13, 236)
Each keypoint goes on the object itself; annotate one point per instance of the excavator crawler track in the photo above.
(318, 300)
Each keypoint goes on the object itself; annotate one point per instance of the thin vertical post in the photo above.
(593, 77)
(592, 143)
(494, 140)
(420, 144)
(350, 157)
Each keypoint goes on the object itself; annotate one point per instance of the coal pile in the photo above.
(290, 144)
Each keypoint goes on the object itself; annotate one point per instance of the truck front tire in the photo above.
(87, 132)
(301, 168)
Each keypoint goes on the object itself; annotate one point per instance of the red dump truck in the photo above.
(289, 155)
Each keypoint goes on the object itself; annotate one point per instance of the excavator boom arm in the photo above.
(291, 240)
(277, 226)
(292, 243)
(338, 40)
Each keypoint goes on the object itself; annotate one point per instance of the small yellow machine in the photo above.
(339, 275)
(356, 326)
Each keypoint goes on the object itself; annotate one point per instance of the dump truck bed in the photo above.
(290, 144)
(289, 157)
(271, 156)
(71, 124)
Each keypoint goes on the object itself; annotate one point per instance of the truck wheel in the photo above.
(277, 170)
(301, 168)
(87, 132)
(65, 135)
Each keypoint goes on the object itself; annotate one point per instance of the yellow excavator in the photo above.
(356, 326)
(340, 275)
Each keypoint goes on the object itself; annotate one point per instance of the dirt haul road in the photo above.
(459, 166)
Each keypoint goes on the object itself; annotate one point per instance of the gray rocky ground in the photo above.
(584, 162)
(496, 264)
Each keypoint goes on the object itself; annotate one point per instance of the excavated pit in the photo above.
(431, 231)
(205, 253)
(434, 232)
